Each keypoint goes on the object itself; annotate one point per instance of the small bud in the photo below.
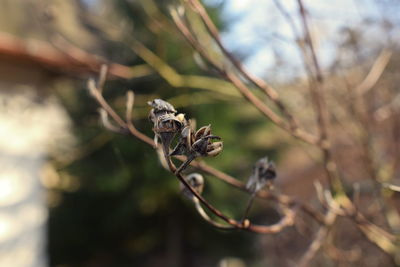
(196, 181)
(246, 223)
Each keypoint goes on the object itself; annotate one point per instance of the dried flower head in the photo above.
(160, 105)
(198, 144)
(166, 123)
(263, 174)
(196, 181)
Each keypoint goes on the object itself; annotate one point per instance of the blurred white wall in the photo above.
(31, 126)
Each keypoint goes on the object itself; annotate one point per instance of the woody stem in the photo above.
(248, 207)
(185, 164)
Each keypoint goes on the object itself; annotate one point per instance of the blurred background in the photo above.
(74, 194)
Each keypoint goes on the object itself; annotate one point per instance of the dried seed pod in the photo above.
(205, 147)
(184, 144)
(202, 132)
(166, 127)
(197, 144)
(196, 181)
(160, 105)
(166, 123)
(214, 149)
(263, 174)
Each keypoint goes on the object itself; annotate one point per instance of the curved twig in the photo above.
(207, 218)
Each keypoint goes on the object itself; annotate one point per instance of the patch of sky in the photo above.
(259, 31)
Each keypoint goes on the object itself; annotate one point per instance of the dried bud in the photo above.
(184, 144)
(166, 123)
(203, 145)
(263, 174)
(196, 181)
(198, 144)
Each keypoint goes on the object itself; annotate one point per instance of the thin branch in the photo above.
(214, 210)
(96, 93)
(267, 89)
(280, 198)
(248, 207)
(392, 187)
(175, 79)
(237, 82)
(130, 100)
(102, 77)
(303, 15)
(45, 55)
(288, 18)
(318, 240)
(207, 218)
(106, 122)
(287, 219)
(375, 72)
(316, 90)
(343, 207)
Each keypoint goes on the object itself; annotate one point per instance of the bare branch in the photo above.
(102, 77)
(237, 82)
(96, 93)
(318, 240)
(267, 89)
(66, 61)
(106, 122)
(392, 187)
(204, 215)
(375, 72)
(303, 15)
(130, 100)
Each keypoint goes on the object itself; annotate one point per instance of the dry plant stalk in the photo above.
(168, 125)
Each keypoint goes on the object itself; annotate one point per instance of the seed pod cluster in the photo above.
(198, 144)
(191, 143)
